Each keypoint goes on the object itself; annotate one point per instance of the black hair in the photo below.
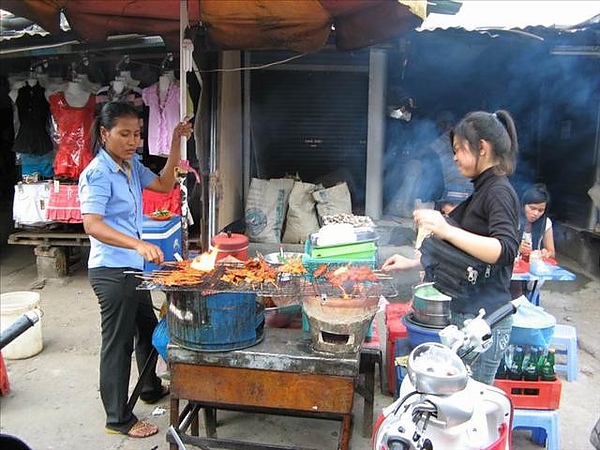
(498, 129)
(107, 118)
(536, 194)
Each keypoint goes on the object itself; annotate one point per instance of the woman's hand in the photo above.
(150, 252)
(434, 221)
(399, 262)
(525, 248)
(182, 129)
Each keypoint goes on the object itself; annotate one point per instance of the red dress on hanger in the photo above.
(74, 126)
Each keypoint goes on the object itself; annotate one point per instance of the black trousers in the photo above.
(127, 318)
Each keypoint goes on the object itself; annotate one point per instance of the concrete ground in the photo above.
(54, 400)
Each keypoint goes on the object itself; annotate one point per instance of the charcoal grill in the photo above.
(215, 315)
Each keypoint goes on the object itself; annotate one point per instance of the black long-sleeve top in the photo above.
(492, 210)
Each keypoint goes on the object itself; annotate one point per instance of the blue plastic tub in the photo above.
(418, 334)
(217, 322)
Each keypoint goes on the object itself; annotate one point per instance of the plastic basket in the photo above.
(360, 259)
(532, 394)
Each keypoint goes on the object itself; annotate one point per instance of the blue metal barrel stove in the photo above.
(214, 322)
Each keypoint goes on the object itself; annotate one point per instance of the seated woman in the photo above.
(535, 227)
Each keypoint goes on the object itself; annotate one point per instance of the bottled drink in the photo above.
(530, 371)
(515, 371)
(548, 373)
(526, 239)
(502, 372)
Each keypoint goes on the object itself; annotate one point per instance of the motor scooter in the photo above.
(440, 406)
(18, 327)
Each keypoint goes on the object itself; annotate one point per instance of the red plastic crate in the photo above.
(532, 394)
(395, 330)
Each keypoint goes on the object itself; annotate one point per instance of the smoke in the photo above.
(553, 99)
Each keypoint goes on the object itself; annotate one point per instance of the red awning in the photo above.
(299, 25)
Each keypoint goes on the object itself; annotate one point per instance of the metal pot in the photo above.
(430, 306)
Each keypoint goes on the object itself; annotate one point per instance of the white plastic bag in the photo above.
(532, 325)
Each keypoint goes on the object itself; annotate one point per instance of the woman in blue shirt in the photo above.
(110, 192)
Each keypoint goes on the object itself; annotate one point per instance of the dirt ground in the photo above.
(54, 401)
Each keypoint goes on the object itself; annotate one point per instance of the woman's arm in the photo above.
(95, 226)
(399, 262)
(487, 249)
(166, 180)
(548, 250)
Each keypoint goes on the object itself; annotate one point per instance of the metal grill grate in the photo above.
(285, 285)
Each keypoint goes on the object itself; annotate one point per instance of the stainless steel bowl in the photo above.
(430, 306)
(435, 369)
(278, 258)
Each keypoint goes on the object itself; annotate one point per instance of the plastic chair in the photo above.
(543, 425)
(564, 341)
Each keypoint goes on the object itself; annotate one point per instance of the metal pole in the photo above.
(182, 173)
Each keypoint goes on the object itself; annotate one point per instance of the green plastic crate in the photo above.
(357, 259)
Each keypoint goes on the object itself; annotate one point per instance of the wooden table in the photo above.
(281, 375)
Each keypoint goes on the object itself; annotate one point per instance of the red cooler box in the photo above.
(164, 233)
(395, 330)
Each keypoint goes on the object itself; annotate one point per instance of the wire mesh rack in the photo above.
(213, 282)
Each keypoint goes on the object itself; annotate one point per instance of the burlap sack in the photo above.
(301, 219)
(266, 207)
(333, 200)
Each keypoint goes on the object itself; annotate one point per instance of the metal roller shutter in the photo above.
(310, 118)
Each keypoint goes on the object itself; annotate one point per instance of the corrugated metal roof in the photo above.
(509, 14)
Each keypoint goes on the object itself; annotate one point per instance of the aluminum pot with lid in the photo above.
(430, 306)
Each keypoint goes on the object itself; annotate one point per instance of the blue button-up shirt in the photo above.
(116, 194)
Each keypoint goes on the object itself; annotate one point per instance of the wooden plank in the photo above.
(57, 239)
(263, 388)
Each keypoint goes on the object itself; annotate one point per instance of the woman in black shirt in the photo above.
(485, 224)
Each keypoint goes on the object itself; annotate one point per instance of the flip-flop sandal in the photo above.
(154, 397)
(139, 430)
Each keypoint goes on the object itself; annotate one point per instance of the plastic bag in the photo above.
(532, 325)
(160, 337)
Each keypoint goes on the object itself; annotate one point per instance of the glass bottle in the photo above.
(530, 370)
(515, 371)
(502, 371)
(548, 373)
(527, 238)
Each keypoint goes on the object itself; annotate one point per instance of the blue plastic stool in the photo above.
(543, 425)
(565, 338)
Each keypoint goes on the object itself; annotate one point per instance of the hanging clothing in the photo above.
(157, 201)
(37, 164)
(30, 203)
(33, 110)
(131, 96)
(63, 204)
(74, 126)
(163, 116)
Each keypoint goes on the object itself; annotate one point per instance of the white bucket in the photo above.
(12, 306)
